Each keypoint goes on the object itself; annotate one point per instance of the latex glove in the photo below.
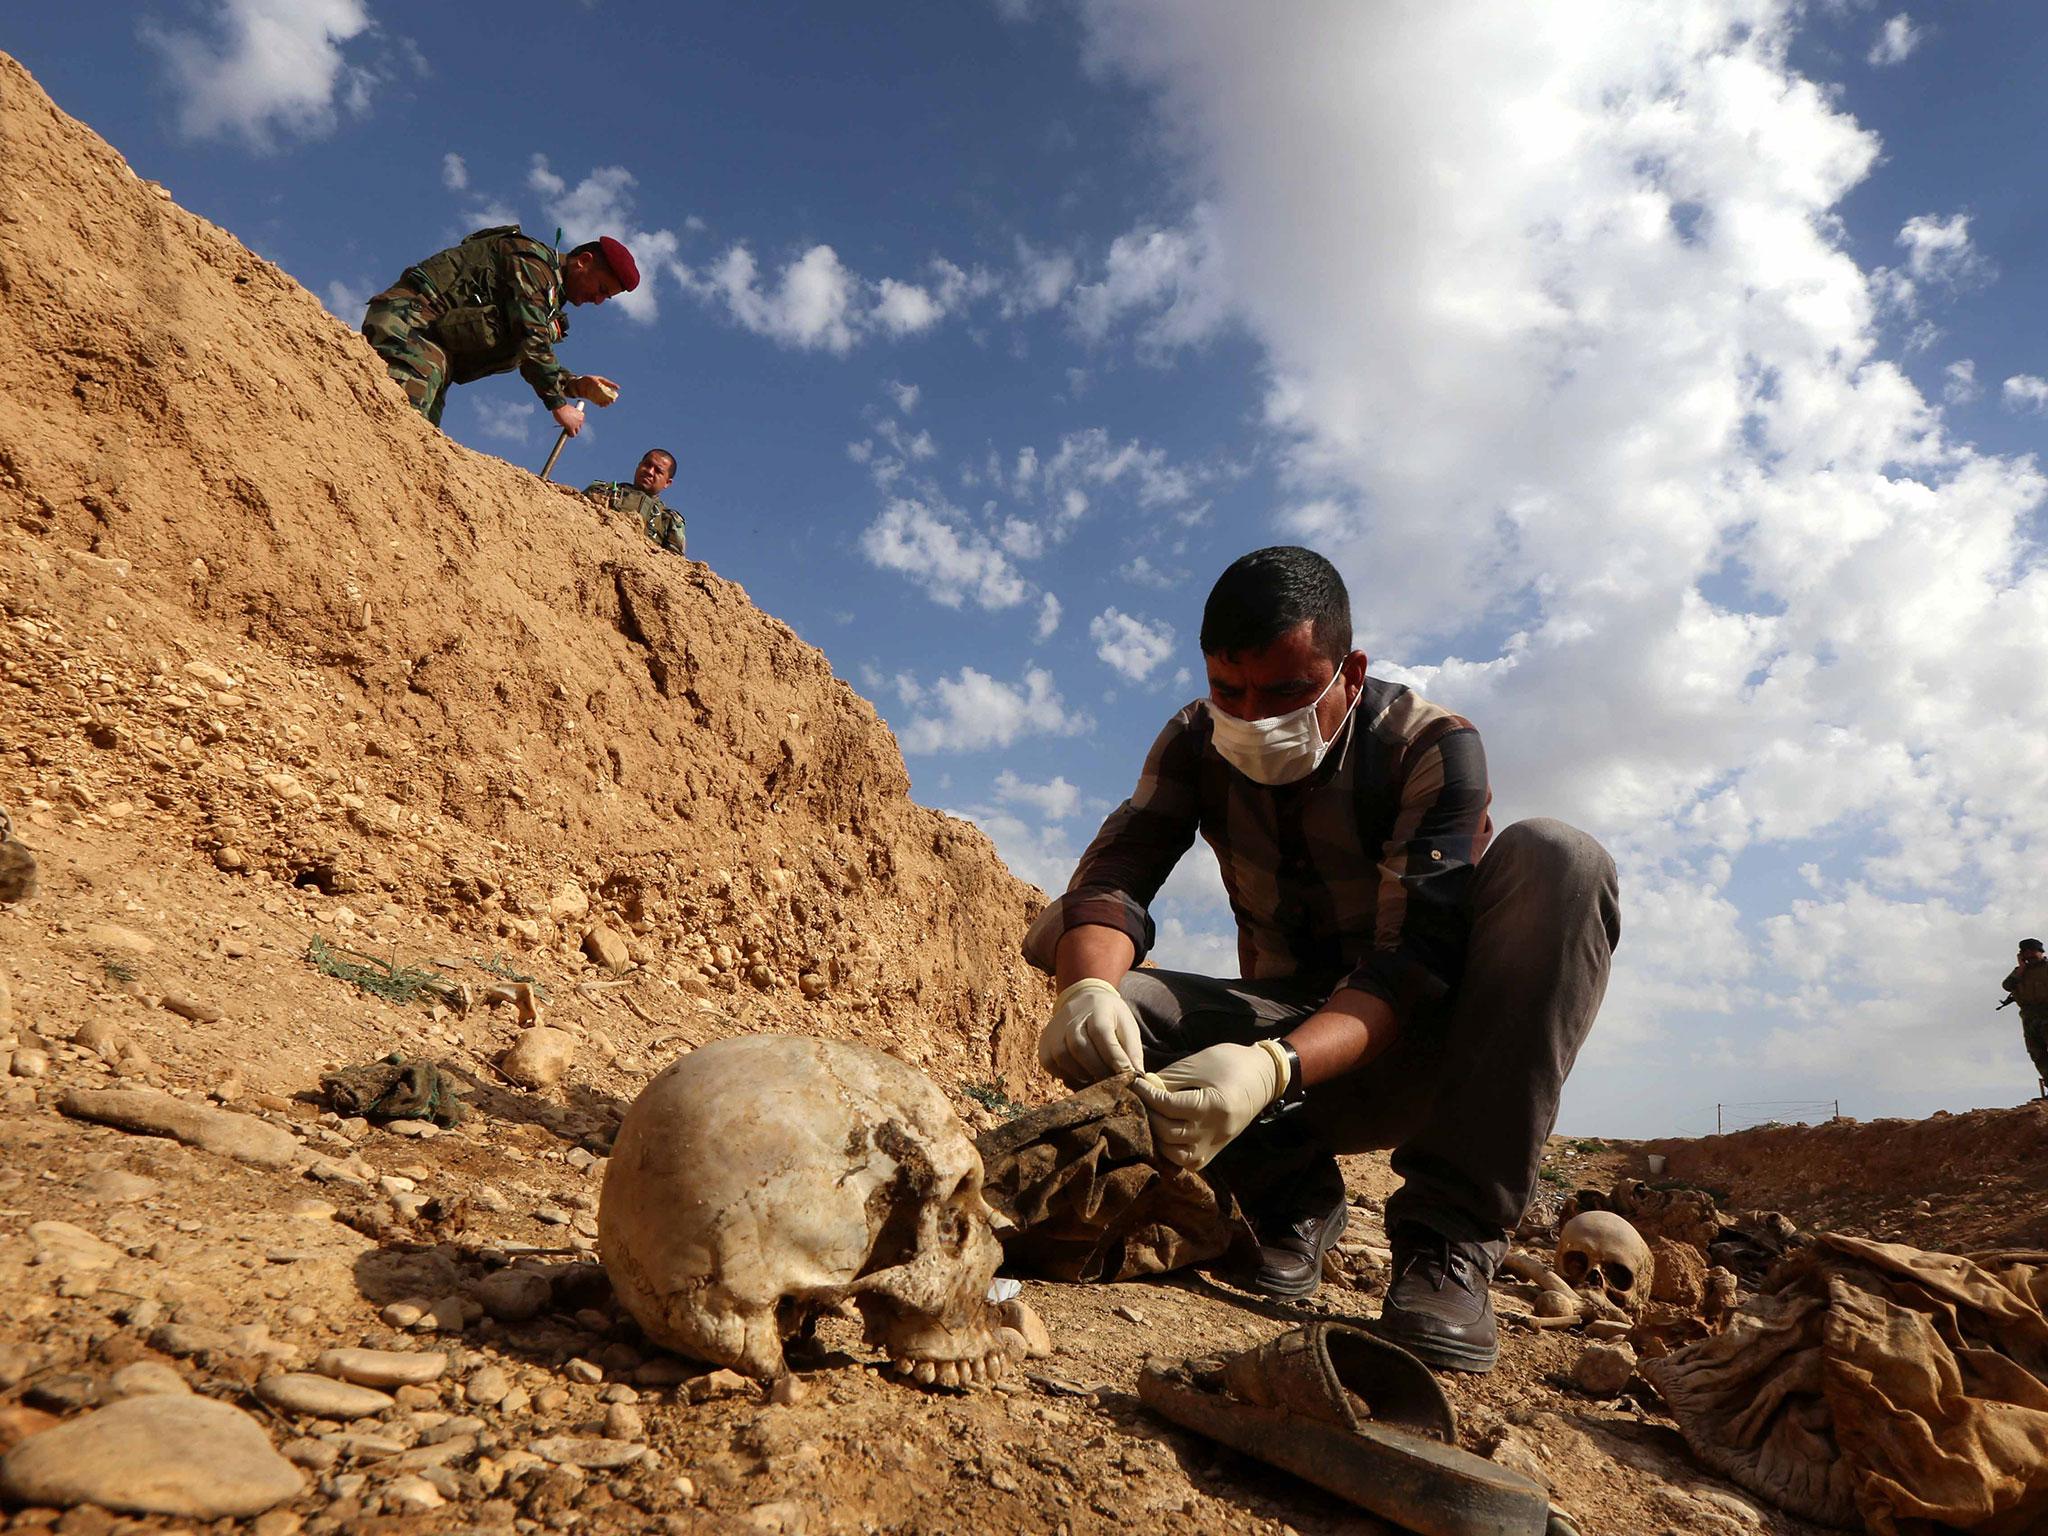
(568, 417)
(1200, 1103)
(1092, 1034)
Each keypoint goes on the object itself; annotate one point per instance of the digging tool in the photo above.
(596, 392)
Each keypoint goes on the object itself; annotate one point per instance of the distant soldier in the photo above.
(2027, 985)
(492, 304)
(657, 468)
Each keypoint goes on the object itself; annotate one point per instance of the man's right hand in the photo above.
(569, 417)
(1091, 1035)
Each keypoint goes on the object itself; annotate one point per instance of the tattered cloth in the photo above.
(1881, 1387)
(394, 1089)
(1086, 1201)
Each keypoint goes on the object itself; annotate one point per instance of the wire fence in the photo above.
(1744, 1117)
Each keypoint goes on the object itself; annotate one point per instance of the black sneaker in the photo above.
(1439, 1306)
(1290, 1259)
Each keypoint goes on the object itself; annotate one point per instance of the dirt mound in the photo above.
(303, 637)
(1956, 1183)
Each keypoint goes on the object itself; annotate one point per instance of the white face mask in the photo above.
(1281, 750)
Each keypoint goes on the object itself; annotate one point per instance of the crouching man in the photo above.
(1409, 980)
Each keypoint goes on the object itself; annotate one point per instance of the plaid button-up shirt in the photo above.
(1357, 873)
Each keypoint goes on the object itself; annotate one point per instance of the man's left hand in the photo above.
(595, 388)
(1200, 1103)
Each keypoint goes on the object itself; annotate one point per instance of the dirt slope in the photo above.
(474, 684)
(280, 663)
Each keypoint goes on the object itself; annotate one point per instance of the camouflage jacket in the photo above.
(497, 304)
(2029, 988)
(663, 523)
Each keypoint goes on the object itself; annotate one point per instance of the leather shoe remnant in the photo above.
(1290, 1261)
(1439, 1306)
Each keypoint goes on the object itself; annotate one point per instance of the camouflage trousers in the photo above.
(2035, 1033)
(396, 325)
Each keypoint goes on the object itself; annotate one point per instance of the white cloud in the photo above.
(1048, 617)
(1572, 335)
(974, 711)
(347, 301)
(1174, 277)
(905, 396)
(1959, 382)
(1140, 571)
(274, 66)
(1042, 280)
(1133, 646)
(506, 420)
(1939, 250)
(2026, 392)
(1896, 40)
(810, 306)
(454, 173)
(954, 563)
(1054, 801)
(904, 309)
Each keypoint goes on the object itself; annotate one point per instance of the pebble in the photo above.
(313, 1455)
(1603, 1369)
(587, 1451)
(623, 1422)
(488, 1386)
(607, 947)
(186, 1006)
(412, 1495)
(117, 1186)
(514, 1295)
(585, 1371)
(113, 936)
(148, 1378)
(1037, 1338)
(718, 1383)
(186, 1456)
(381, 1367)
(540, 1057)
(30, 1062)
(404, 1313)
(322, 1397)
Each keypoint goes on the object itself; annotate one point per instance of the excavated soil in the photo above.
(281, 667)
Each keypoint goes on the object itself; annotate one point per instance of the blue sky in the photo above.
(1664, 375)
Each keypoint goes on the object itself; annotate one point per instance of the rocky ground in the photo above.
(331, 739)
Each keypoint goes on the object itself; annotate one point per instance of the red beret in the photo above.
(621, 261)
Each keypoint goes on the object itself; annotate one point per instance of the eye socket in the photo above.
(1617, 1277)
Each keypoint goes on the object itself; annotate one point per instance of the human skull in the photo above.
(1599, 1251)
(760, 1180)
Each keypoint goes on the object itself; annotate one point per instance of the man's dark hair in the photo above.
(666, 455)
(1268, 592)
(2033, 944)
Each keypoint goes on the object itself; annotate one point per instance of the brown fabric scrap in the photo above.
(1086, 1201)
(1880, 1387)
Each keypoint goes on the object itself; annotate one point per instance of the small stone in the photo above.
(540, 1057)
(587, 1451)
(116, 1186)
(276, 1522)
(404, 1312)
(811, 984)
(607, 947)
(487, 1386)
(514, 1295)
(718, 1383)
(69, 1248)
(187, 1456)
(229, 859)
(1018, 1314)
(789, 1390)
(551, 1399)
(102, 936)
(623, 1422)
(186, 1006)
(30, 1062)
(412, 1495)
(585, 1371)
(103, 1038)
(1603, 1369)
(569, 903)
(148, 1378)
(312, 1455)
(65, 1392)
(381, 1367)
(322, 1397)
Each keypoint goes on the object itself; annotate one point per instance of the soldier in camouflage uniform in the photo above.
(492, 304)
(2027, 985)
(663, 523)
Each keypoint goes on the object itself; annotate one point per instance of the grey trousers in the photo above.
(1468, 1093)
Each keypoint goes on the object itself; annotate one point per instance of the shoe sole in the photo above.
(1444, 1354)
